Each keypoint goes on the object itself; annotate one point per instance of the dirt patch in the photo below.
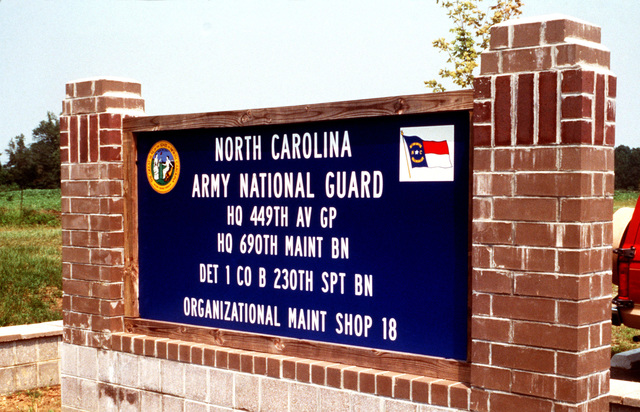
(36, 400)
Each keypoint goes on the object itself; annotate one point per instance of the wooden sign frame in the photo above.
(384, 360)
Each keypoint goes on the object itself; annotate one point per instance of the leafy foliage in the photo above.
(627, 168)
(36, 165)
(470, 31)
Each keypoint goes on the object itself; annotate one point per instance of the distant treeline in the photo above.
(627, 168)
(35, 165)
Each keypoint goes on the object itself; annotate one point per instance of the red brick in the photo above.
(527, 60)
(93, 138)
(111, 171)
(482, 112)
(274, 367)
(111, 308)
(481, 304)
(420, 389)
(107, 257)
(577, 364)
(584, 312)
(402, 386)
(459, 395)
(110, 154)
(334, 376)
(578, 81)
(318, 372)
(105, 188)
(489, 63)
(492, 281)
(85, 305)
(488, 377)
(612, 86)
(440, 393)
(572, 390)
(535, 234)
(173, 350)
(88, 272)
(482, 160)
(64, 139)
(599, 110)
(493, 184)
(111, 206)
(76, 287)
(385, 383)
(524, 308)
(73, 139)
(509, 402)
(526, 35)
(104, 86)
(107, 290)
(480, 352)
(303, 371)
(367, 381)
(550, 336)
(83, 139)
(161, 349)
(559, 30)
(110, 137)
(529, 158)
(610, 135)
(84, 205)
(234, 360)
(479, 400)
(547, 107)
(260, 364)
(553, 184)
(502, 111)
(482, 208)
(552, 286)
(611, 110)
(525, 209)
(481, 136)
(110, 121)
(64, 155)
(482, 87)
(209, 356)
(246, 362)
(75, 189)
(571, 54)
(586, 209)
(350, 378)
(75, 255)
(492, 232)
(491, 329)
(576, 107)
(289, 368)
(533, 384)
(525, 106)
(112, 240)
(84, 171)
(523, 358)
(105, 223)
(499, 37)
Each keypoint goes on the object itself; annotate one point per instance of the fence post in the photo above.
(542, 204)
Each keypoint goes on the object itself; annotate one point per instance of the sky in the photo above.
(206, 56)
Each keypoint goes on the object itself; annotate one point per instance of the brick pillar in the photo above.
(92, 206)
(542, 204)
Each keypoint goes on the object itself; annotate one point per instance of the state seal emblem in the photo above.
(163, 167)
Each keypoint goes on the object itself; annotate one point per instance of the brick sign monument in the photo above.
(420, 252)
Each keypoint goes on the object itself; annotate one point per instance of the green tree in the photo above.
(470, 30)
(45, 151)
(36, 165)
(627, 168)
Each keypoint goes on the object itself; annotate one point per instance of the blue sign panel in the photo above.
(352, 232)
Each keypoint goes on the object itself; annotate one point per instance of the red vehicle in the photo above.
(626, 266)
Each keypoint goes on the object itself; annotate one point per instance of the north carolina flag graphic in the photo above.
(427, 153)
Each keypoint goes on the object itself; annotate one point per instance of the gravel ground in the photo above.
(36, 400)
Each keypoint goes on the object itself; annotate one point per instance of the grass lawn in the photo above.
(30, 257)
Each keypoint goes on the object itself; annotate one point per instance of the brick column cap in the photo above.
(103, 94)
(551, 42)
